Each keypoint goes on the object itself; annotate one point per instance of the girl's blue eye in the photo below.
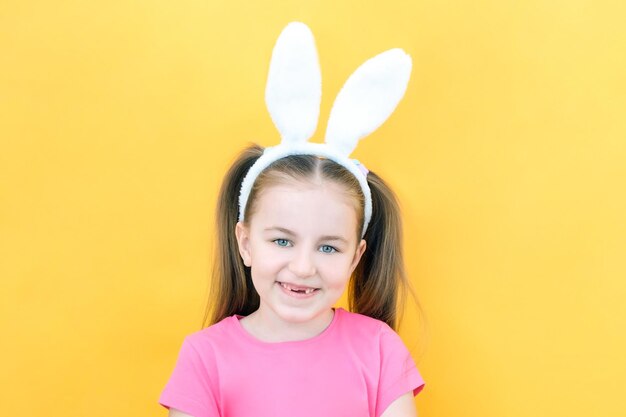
(280, 241)
(328, 246)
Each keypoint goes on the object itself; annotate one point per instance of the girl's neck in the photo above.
(268, 327)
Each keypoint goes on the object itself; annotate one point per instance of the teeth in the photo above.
(307, 291)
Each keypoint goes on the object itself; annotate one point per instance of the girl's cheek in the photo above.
(336, 270)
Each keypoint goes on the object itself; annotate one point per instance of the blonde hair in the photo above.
(379, 283)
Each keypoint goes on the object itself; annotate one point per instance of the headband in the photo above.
(293, 94)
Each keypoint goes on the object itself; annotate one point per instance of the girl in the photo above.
(297, 224)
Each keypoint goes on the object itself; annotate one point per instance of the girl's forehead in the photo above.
(306, 207)
(303, 194)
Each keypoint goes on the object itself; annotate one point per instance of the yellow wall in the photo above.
(118, 119)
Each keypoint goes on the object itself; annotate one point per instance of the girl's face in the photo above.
(302, 236)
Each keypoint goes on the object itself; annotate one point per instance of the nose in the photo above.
(302, 264)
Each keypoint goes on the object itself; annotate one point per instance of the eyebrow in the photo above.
(289, 232)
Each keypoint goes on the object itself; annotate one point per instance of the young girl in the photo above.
(297, 224)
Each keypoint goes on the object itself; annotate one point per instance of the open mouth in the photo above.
(298, 290)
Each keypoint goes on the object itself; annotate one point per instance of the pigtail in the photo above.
(379, 284)
(231, 289)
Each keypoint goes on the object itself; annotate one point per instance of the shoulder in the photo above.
(361, 324)
(372, 333)
(209, 339)
(364, 331)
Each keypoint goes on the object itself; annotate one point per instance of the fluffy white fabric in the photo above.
(294, 84)
(293, 95)
(368, 98)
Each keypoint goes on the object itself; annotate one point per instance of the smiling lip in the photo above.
(298, 294)
(296, 287)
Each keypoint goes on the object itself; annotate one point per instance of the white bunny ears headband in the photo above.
(293, 94)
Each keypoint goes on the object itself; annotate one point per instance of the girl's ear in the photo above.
(360, 250)
(243, 241)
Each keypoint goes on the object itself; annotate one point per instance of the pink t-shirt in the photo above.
(355, 368)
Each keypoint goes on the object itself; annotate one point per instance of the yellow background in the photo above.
(119, 118)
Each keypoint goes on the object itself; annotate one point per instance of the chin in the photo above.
(302, 314)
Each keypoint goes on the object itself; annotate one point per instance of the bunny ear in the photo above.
(368, 98)
(294, 84)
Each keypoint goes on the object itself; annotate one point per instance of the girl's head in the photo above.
(301, 236)
(313, 198)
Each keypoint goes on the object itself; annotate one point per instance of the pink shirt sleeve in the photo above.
(398, 373)
(190, 388)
